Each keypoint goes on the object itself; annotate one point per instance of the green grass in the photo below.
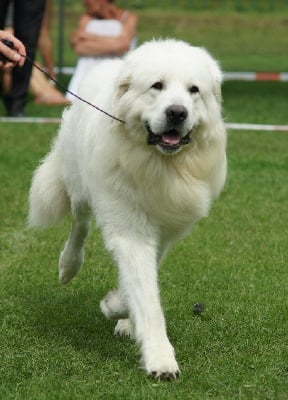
(55, 343)
(255, 102)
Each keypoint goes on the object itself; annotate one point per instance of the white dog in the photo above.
(146, 181)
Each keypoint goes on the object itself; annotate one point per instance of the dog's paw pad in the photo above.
(165, 376)
(160, 363)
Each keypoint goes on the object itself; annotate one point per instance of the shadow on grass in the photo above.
(70, 317)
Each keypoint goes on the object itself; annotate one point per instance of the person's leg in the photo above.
(3, 12)
(28, 16)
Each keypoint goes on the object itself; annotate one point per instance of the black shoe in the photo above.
(14, 108)
(16, 114)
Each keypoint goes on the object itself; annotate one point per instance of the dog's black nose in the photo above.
(176, 114)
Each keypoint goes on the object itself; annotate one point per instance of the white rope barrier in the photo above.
(232, 126)
(256, 76)
(256, 127)
(30, 120)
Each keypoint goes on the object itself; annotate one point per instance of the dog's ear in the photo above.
(217, 80)
(217, 91)
(216, 76)
(123, 86)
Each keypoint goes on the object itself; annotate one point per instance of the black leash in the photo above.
(4, 59)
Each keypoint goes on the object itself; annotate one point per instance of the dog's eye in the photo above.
(157, 85)
(194, 89)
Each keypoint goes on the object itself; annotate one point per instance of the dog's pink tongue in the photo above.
(170, 139)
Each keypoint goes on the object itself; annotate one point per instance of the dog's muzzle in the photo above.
(170, 140)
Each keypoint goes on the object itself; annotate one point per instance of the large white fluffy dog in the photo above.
(146, 181)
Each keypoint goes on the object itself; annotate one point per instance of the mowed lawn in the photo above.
(54, 341)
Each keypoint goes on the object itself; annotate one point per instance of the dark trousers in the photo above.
(27, 18)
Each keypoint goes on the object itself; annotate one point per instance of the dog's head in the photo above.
(167, 90)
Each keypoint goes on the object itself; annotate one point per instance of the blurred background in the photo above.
(243, 34)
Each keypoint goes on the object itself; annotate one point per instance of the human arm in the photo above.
(88, 44)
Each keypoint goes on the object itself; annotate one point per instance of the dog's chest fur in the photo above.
(174, 191)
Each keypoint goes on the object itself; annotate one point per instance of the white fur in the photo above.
(144, 197)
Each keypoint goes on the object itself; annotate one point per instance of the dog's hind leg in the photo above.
(72, 256)
(48, 198)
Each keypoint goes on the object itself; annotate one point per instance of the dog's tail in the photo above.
(48, 198)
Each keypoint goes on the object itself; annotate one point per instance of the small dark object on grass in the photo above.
(198, 308)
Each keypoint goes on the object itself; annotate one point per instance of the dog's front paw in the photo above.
(160, 363)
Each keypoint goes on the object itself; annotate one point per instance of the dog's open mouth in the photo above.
(169, 141)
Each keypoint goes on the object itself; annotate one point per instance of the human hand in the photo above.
(12, 56)
(78, 37)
